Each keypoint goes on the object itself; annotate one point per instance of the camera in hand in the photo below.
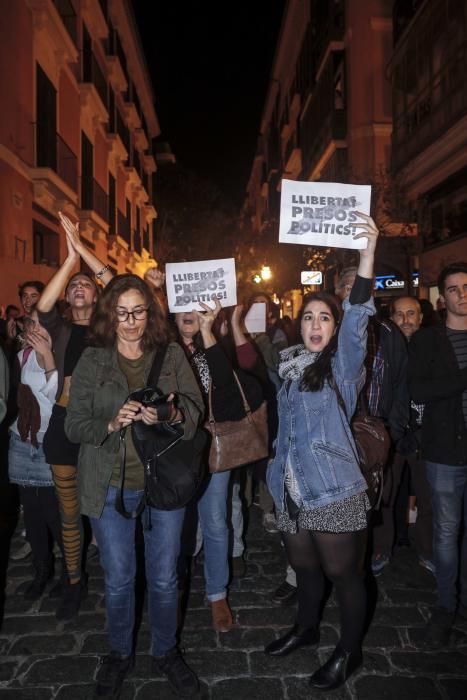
(152, 399)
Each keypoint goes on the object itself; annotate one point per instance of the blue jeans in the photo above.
(449, 499)
(115, 537)
(212, 511)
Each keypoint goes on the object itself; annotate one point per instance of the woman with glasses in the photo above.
(69, 337)
(127, 328)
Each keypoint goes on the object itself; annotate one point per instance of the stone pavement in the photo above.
(43, 659)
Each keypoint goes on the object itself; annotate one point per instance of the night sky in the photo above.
(210, 64)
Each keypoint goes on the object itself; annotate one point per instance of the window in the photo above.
(112, 206)
(46, 121)
(46, 245)
(86, 172)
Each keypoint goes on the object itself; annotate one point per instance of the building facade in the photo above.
(76, 129)
(328, 117)
(429, 78)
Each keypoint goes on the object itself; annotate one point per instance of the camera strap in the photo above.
(152, 381)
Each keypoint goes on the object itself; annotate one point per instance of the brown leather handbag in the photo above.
(237, 442)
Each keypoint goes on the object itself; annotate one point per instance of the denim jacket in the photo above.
(313, 429)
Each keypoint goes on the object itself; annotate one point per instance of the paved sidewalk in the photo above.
(43, 659)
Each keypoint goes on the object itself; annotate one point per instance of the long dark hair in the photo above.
(102, 329)
(319, 371)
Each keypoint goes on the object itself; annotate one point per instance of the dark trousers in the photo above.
(42, 520)
(383, 533)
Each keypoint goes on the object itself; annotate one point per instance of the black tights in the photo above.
(339, 556)
(42, 521)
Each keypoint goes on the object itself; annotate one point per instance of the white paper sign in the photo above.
(255, 319)
(188, 283)
(319, 213)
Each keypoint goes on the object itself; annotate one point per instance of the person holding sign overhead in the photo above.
(315, 478)
(214, 370)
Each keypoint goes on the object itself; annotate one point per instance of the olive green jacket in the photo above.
(98, 390)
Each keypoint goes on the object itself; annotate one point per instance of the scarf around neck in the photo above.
(294, 361)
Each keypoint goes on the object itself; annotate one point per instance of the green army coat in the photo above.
(98, 390)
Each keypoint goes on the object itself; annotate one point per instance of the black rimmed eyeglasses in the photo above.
(137, 314)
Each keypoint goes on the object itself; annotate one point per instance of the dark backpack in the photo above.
(173, 468)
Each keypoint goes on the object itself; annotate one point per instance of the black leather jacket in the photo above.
(436, 380)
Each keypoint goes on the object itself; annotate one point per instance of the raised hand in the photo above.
(155, 277)
(73, 240)
(207, 319)
(371, 233)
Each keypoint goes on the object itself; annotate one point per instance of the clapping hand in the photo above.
(73, 240)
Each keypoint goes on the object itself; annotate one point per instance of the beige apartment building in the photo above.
(76, 128)
(328, 116)
(429, 146)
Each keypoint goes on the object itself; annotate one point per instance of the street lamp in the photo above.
(266, 273)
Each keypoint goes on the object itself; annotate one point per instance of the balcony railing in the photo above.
(94, 197)
(92, 73)
(68, 15)
(124, 230)
(137, 242)
(429, 76)
(52, 152)
(323, 122)
(123, 132)
(67, 164)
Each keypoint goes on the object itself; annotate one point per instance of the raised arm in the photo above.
(367, 255)
(101, 271)
(56, 285)
(352, 339)
(155, 278)
(247, 356)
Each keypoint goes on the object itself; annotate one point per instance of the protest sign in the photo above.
(255, 319)
(189, 283)
(321, 213)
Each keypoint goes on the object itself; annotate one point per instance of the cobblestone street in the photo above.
(43, 659)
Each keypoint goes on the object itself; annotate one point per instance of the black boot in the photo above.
(44, 573)
(73, 594)
(181, 677)
(295, 638)
(336, 670)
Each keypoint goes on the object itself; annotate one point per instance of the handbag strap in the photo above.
(158, 361)
(119, 505)
(340, 400)
(153, 379)
(246, 405)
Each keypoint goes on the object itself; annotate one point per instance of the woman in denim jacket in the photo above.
(314, 478)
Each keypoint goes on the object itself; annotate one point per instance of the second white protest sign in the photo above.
(188, 283)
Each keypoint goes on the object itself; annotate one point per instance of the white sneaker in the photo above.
(269, 522)
(22, 553)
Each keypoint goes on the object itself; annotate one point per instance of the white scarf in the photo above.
(294, 361)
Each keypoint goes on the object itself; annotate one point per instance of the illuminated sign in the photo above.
(311, 277)
(387, 282)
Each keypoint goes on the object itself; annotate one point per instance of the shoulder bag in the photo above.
(373, 444)
(237, 442)
(173, 467)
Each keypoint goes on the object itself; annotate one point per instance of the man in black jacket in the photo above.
(438, 378)
(385, 392)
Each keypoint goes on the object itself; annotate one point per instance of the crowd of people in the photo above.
(80, 345)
